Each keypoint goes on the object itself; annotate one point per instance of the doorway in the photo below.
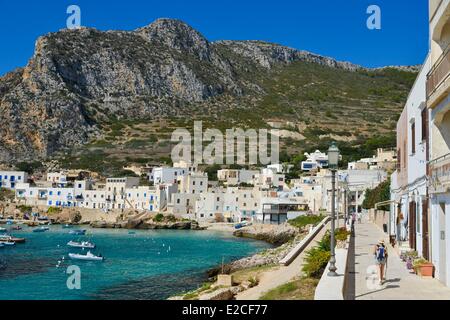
(442, 245)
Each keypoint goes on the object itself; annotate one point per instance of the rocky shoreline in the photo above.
(284, 237)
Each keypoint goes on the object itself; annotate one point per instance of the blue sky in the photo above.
(335, 28)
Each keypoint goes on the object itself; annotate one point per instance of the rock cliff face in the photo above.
(78, 80)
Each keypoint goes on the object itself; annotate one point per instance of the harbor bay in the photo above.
(146, 264)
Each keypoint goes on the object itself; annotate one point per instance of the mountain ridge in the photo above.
(79, 80)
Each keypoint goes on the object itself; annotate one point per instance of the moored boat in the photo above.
(3, 230)
(78, 232)
(87, 257)
(83, 244)
(41, 229)
(8, 243)
(8, 238)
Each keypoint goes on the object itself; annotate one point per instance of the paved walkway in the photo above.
(283, 274)
(400, 283)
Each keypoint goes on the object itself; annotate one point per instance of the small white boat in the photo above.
(83, 244)
(8, 243)
(3, 230)
(88, 257)
(8, 238)
(78, 232)
(41, 229)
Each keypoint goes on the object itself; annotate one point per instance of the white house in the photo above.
(234, 177)
(315, 160)
(163, 175)
(58, 178)
(438, 105)
(9, 179)
(193, 183)
(268, 179)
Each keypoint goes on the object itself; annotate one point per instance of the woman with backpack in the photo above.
(381, 255)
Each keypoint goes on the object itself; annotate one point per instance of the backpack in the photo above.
(381, 253)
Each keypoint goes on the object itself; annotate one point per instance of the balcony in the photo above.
(438, 79)
(440, 174)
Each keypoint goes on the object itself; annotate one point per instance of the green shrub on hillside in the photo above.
(302, 221)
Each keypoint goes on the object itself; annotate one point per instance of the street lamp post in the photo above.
(333, 159)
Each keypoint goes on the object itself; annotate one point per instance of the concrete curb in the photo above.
(302, 245)
(332, 288)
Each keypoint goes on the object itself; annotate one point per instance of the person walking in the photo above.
(381, 255)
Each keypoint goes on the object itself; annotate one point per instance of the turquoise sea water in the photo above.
(150, 264)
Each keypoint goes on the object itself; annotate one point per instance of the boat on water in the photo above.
(67, 226)
(3, 230)
(242, 224)
(8, 238)
(41, 229)
(83, 244)
(78, 232)
(16, 228)
(87, 257)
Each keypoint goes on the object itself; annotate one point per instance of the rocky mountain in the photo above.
(80, 81)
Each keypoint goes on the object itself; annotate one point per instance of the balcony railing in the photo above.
(440, 170)
(439, 73)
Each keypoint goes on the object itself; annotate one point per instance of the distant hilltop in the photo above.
(79, 82)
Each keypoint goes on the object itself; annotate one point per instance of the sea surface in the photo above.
(149, 264)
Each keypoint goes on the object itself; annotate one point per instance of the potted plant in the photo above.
(409, 258)
(423, 267)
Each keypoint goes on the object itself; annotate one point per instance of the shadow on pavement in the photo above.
(350, 286)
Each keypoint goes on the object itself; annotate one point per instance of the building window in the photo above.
(413, 138)
(424, 116)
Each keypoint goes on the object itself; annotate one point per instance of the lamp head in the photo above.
(333, 156)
